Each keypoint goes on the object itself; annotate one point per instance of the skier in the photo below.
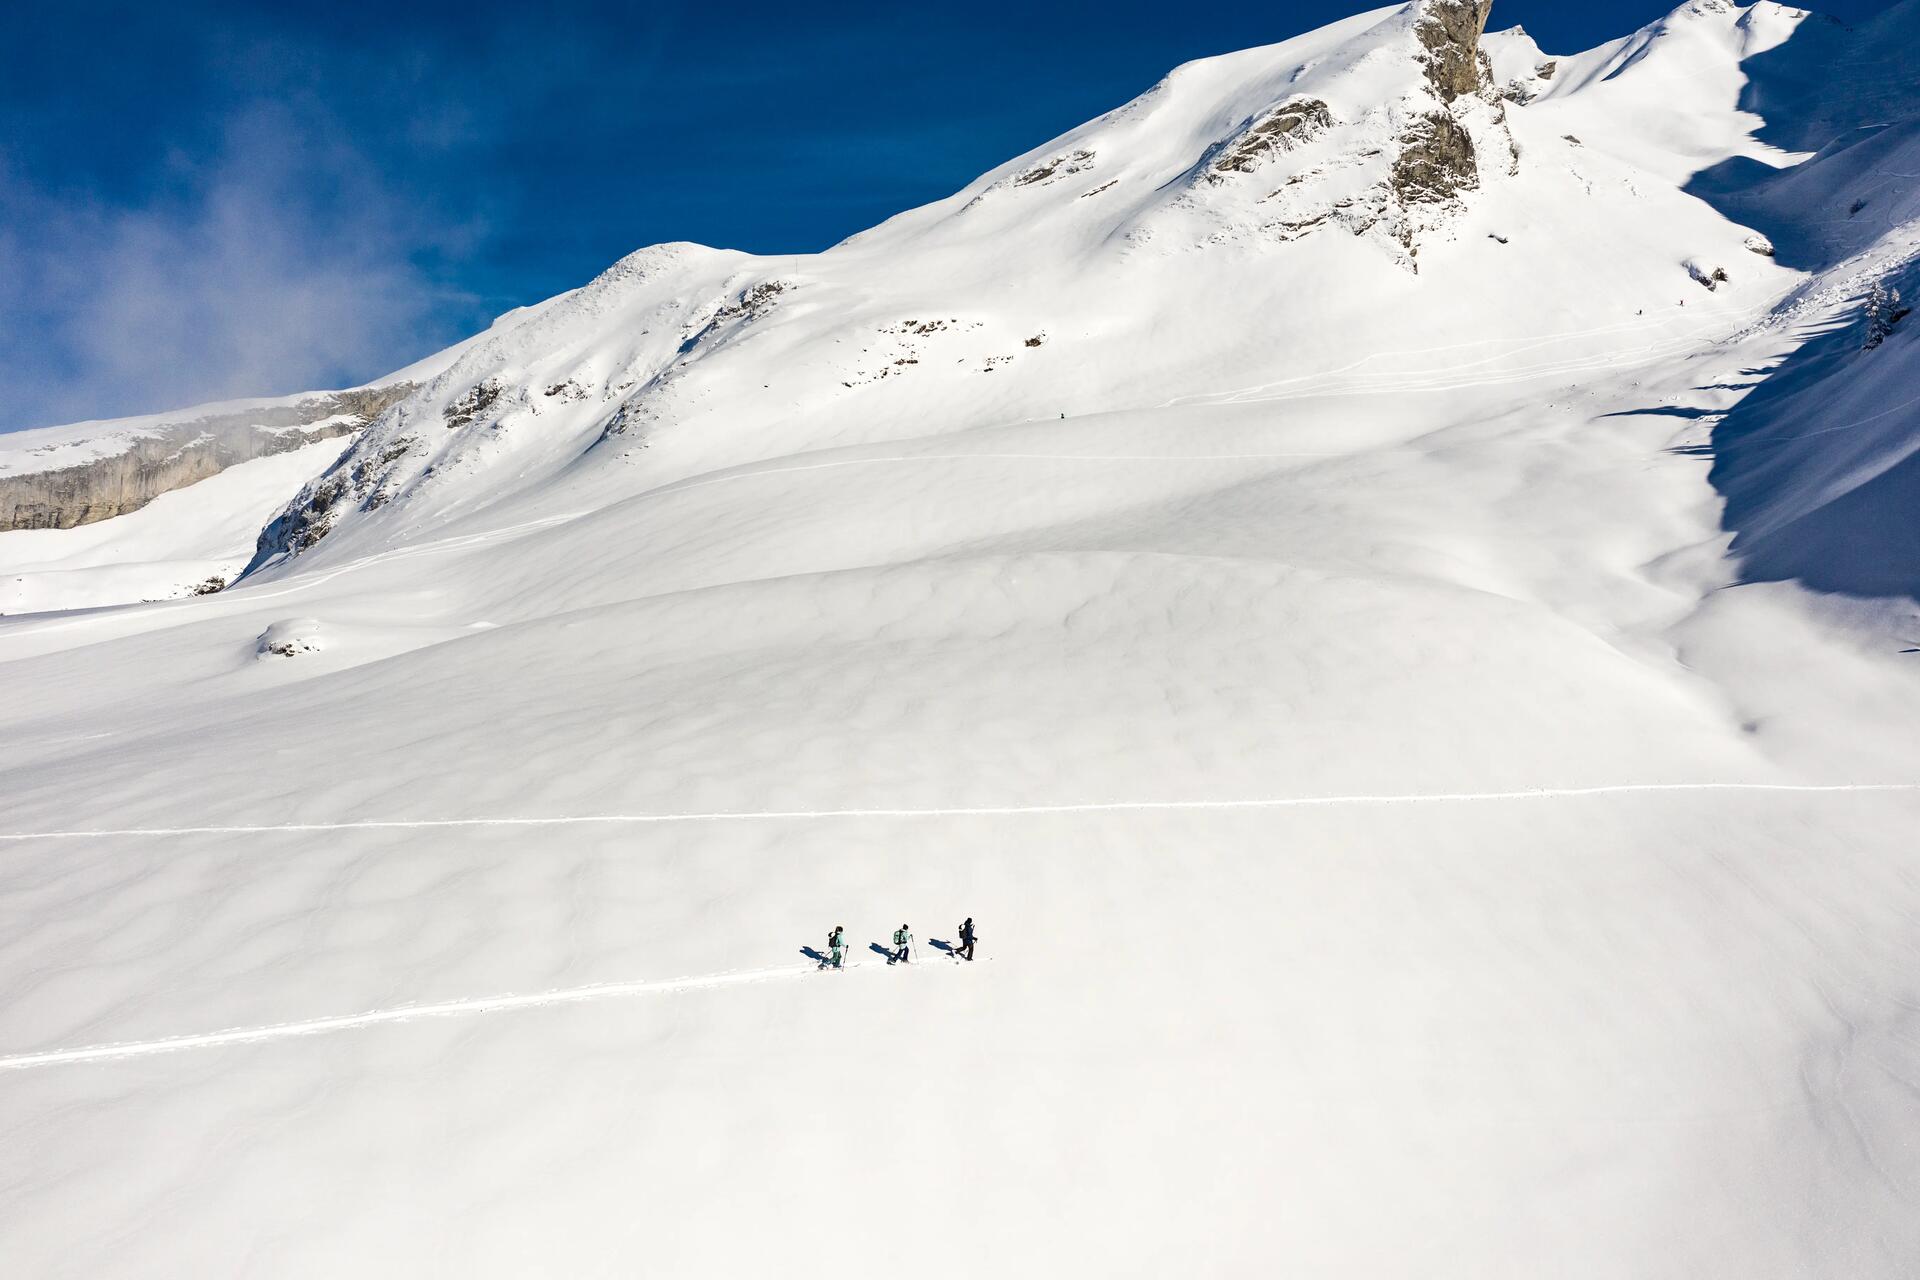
(836, 948)
(966, 939)
(902, 944)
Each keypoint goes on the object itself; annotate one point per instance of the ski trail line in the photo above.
(407, 1013)
(1447, 377)
(731, 476)
(989, 811)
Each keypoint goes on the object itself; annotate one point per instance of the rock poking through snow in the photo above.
(1436, 162)
(1060, 166)
(472, 406)
(289, 638)
(1287, 126)
(1707, 277)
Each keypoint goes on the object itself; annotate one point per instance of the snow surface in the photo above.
(164, 549)
(1403, 840)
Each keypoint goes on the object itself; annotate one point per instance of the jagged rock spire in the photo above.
(1451, 31)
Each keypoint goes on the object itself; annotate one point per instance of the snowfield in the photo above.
(1284, 572)
(173, 544)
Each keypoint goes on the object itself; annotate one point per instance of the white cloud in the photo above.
(277, 263)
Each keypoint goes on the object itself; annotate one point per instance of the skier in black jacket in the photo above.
(966, 939)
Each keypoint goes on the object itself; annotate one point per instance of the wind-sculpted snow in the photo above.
(1292, 618)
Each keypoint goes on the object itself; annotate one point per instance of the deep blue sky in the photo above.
(203, 199)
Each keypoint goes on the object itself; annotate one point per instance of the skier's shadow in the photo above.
(879, 950)
(938, 945)
(813, 955)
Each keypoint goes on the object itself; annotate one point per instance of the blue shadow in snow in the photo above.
(1819, 465)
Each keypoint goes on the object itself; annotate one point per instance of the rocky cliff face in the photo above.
(179, 454)
(1437, 159)
(1451, 31)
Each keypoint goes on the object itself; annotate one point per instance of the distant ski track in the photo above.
(409, 1012)
(752, 471)
(1465, 373)
(985, 811)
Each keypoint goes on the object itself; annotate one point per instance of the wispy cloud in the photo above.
(278, 262)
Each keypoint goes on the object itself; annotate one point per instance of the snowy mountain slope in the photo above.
(1403, 841)
(57, 482)
(1131, 269)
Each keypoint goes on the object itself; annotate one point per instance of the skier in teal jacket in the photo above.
(836, 948)
(902, 945)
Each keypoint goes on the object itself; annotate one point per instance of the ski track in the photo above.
(701, 482)
(600, 991)
(989, 811)
(439, 1009)
(1450, 378)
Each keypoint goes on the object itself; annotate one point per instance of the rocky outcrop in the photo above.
(474, 404)
(181, 453)
(1061, 166)
(1391, 167)
(289, 638)
(1450, 30)
(358, 479)
(1705, 275)
(1281, 129)
(1436, 161)
(1522, 90)
(751, 304)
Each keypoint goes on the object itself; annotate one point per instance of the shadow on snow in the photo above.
(1819, 464)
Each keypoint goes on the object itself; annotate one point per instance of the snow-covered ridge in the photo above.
(1378, 130)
